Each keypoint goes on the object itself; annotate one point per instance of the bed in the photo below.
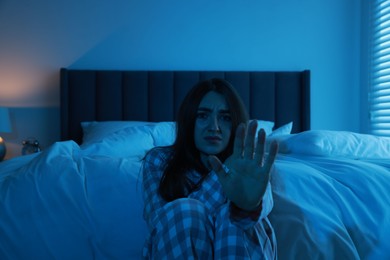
(81, 197)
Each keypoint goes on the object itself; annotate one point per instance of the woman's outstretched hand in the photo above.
(249, 169)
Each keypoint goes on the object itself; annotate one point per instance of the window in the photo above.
(379, 96)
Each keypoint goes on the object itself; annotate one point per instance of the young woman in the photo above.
(208, 195)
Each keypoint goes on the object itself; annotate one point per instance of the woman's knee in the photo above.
(186, 212)
(183, 225)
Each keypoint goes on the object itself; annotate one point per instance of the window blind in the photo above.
(379, 96)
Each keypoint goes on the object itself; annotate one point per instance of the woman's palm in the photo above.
(248, 171)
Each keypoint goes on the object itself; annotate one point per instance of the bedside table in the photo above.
(30, 145)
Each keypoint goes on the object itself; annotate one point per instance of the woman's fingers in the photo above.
(271, 156)
(249, 148)
(259, 154)
(244, 142)
(245, 146)
(238, 148)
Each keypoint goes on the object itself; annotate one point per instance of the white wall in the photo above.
(39, 37)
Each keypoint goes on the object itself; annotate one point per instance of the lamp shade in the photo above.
(5, 123)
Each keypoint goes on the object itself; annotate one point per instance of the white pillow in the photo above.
(283, 130)
(134, 138)
(337, 143)
(94, 131)
(163, 133)
(132, 141)
(279, 135)
(266, 125)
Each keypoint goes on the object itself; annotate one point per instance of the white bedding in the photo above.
(331, 208)
(66, 204)
(69, 203)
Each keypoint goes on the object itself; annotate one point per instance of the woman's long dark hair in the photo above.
(174, 183)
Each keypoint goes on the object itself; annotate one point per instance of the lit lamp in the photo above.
(5, 127)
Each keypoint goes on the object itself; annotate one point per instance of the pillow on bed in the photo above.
(282, 130)
(279, 134)
(95, 131)
(337, 143)
(266, 125)
(134, 138)
(132, 141)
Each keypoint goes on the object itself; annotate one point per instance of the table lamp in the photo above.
(5, 127)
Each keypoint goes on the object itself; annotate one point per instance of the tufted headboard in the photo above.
(115, 95)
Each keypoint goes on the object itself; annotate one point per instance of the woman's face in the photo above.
(213, 125)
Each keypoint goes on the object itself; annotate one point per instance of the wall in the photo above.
(366, 5)
(39, 37)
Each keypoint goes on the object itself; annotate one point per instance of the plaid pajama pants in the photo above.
(205, 225)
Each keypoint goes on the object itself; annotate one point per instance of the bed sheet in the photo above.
(331, 208)
(64, 204)
(67, 203)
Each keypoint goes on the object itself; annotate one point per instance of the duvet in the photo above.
(65, 204)
(73, 202)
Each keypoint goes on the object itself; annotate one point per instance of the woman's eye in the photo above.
(201, 116)
(226, 118)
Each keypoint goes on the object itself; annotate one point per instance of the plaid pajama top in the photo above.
(227, 232)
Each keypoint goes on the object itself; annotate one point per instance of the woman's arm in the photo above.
(152, 172)
(247, 219)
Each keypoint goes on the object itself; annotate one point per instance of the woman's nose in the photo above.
(214, 123)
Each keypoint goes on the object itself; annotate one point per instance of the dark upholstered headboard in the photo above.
(107, 95)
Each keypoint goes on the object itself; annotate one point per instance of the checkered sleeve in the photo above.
(153, 167)
(247, 219)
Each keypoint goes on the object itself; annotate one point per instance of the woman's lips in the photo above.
(213, 138)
